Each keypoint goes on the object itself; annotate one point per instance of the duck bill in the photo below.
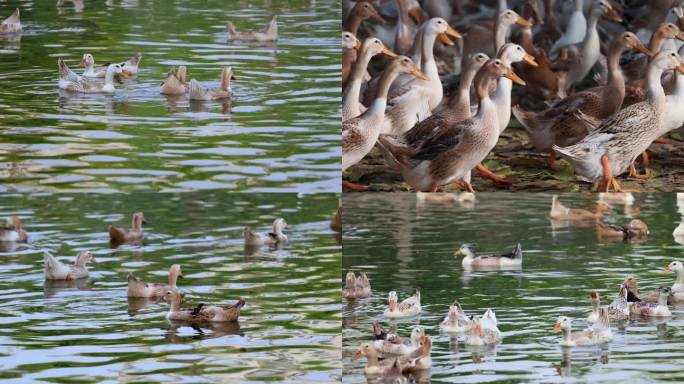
(680, 68)
(417, 73)
(514, 78)
(680, 36)
(642, 48)
(557, 328)
(126, 75)
(667, 269)
(93, 260)
(452, 32)
(377, 18)
(529, 59)
(458, 252)
(357, 44)
(443, 38)
(523, 23)
(388, 52)
(613, 15)
(358, 354)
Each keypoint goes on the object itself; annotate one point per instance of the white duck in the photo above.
(56, 270)
(678, 287)
(407, 308)
(456, 320)
(70, 81)
(598, 333)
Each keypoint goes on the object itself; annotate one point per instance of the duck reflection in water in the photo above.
(564, 368)
(53, 287)
(202, 331)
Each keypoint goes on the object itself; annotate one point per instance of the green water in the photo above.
(280, 132)
(402, 244)
(89, 331)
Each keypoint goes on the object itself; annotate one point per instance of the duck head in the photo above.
(84, 257)
(392, 301)
(513, 53)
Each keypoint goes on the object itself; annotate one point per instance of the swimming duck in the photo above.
(419, 359)
(12, 231)
(11, 24)
(175, 83)
(356, 288)
(138, 288)
(636, 229)
(350, 46)
(490, 329)
(674, 114)
(595, 306)
(268, 33)
(120, 235)
(658, 309)
(471, 259)
(597, 333)
(456, 320)
(395, 345)
(678, 286)
(618, 309)
(360, 133)
(271, 238)
(450, 153)
(633, 294)
(351, 106)
(561, 212)
(201, 313)
(610, 149)
(197, 92)
(70, 81)
(481, 336)
(559, 123)
(130, 66)
(88, 62)
(56, 270)
(407, 308)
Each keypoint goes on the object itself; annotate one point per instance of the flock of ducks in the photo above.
(395, 359)
(13, 232)
(399, 94)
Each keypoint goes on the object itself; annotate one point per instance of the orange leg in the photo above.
(551, 160)
(468, 187)
(353, 187)
(635, 174)
(608, 180)
(487, 174)
(644, 159)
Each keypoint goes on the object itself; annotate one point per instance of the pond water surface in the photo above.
(89, 331)
(280, 132)
(402, 244)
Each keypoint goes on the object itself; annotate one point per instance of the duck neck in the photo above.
(656, 94)
(595, 306)
(176, 304)
(173, 278)
(485, 105)
(567, 334)
(656, 43)
(501, 34)
(380, 102)
(372, 359)
(109, 75)
(662, 298)
(359, 70)
(402, 7)
(579, 5)
(354, 22)
(616, 80)
(428, 64)
(679, 281)
(462, 97)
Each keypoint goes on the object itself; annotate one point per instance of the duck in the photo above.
(636, 229)
(268, 33)
(450, 153)
(272, 238)
(456, 321)
(70, 81)
(360, 133)
(559, 123)
(674, 114)
(633, 295)
(175, 83)
(201, 313)
(197, 92)
(407, 308)
(575, 30)
(121, 235)
(595, 306)
(471, 259)
(395, 345)
(350, 46)
(397, 35)
(417, 360)
(56, 270)
(130, 66)
(678, 287)
(138, 288)
(336, 221)
(11, 24)
(361, 11)
(356, 288)
(561, 212)
(13, 231)
(490, 329)
(90, 70)
(611, 148)
(598, 333)
(351, 106)
(481, 336)
(658, 309)
(618, 309)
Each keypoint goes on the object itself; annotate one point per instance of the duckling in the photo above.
(407, 308)
(201, 313)
(356, 288)
(11, 24)
(471, 259)
(598, 333)
(70, 81)
(56, 270)
(138, 288)
(268, 33)
(175, 83)
(561, 212)
(197, 92)
(120, 235)
(271, 238)
(636, 229)
(456, 320)
(12, 231)
(658, 309)
(595, 306)
(395, 345)
(678, 287)
(130, 66)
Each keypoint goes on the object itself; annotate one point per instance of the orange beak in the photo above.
(514, 78)
(642, 48)
(524, 23)
(417, 73)
(388, 52)
(529, 59)
(613, 15)
(557, 328)
(452, 32)
(357, 45)
(667, 269)
(125, 74)
(680, 36)
(92, 258)
(443, 38)
(358, 354)
(680, 68)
